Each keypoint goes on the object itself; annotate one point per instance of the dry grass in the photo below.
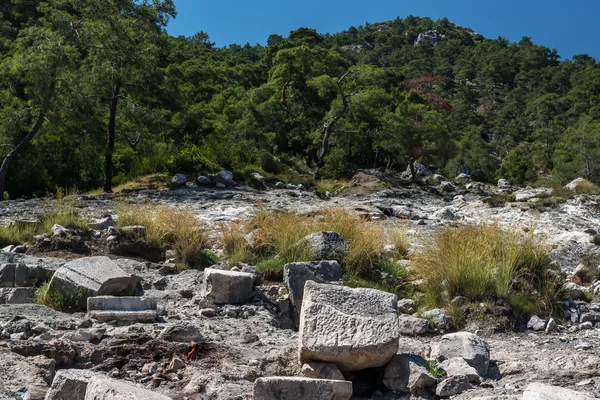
(270, 240)
(587, 187)
(484, 263)
(167, 227)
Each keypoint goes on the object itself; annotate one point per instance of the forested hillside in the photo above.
(96, 93)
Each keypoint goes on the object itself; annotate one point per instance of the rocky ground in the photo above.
(197, 349)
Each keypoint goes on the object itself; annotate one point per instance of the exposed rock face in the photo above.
(178, 180)
(407, 374)
(295, 276)
(93, 276)
(19, 295)
(351, 328)
(325, 245)
(70, 384)
(227, 287)
(474, 350)
(102, 388)
(284, 388)
(540, 391)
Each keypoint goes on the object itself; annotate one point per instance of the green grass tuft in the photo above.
(59, 301)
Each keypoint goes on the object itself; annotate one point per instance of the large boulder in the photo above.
(18, 275)
(227, 287)
(319, 370)
(474, 350)
(296, 274)
(574, 183)
(93, 276)
(102, 388)
(540, 391)
(407, 374)
(285, 388)
(351, 328)
(458, 366)
(453, 386)
(421, 172)
(178, 180)
(70, 384)
(325, 245)
(224, 177)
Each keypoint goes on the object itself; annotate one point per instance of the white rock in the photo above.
(352, 328)
(573, 184)
(458, 366)
(412, 326)
(452, 386)
(474, 350)
(102, 388)
(407, 374)
(285, 388)
(540, 391)
(438, 318)
(69, 384)
(227, 287)
(318, 370)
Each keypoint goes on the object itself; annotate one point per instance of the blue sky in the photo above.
(568, 26)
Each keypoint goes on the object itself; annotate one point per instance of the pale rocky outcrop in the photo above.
(284, 388)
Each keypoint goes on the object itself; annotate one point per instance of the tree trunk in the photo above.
(329, 126)
(110, 143)
(18, 149)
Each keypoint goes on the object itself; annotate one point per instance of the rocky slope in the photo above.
(209, 345)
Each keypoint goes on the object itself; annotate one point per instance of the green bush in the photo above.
(192, 159)
(66, 302)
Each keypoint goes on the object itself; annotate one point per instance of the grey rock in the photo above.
(224, 177)
(408, 374)
(227, 287)
(421, 172)
(178, 180)
(439, 178)
(551, 325)
(318, 370)
(447, 186)
(412, 326)
(295, 276)
(438, 318)
(458, 366)
(102, 388)
(474, 350)
(180, 333)
(16, 295)
(541, 391)
(108, 308)
(204, 180)
(70, 384)
(285, 388)
(536, 323)
(93, 276)
(504, 184)
(447, 213)
(453, 386)
(463, 178)
(58, 230)
(18, 275)
(586, 325)
(325, 245)
(103, 223)
(352, 328)
(406, 306)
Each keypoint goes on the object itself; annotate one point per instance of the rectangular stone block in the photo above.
(286, 388)
(108, 308)
(102, 388)
(70, 384)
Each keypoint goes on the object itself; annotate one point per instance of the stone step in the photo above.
(108, 308)
(291, 388)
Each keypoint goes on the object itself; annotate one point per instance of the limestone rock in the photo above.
(20, 295)
(102, 388)
(178, 180)
(438, 318)
(504, 184)
(93, 276)
(407, 374)
(540, 391)
(474, 350)
(108, 308)
(227, 287)
(458, 366)
(406, 306)
(70, 384)
(284, 388)
(412, 326)
(185, 333)
(452, 386)
(352, 328)
(421, 172)
(224, 177)
(573, 184)
(319, 370)
(447, 186)
(536, 323)
(295, 276)
(325, 245)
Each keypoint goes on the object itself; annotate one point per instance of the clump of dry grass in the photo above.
(271, 240)
(168, 227)
(485, 263)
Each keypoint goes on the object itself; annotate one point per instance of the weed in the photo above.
(57, 300)
(434, 369)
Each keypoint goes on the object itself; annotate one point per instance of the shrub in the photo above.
(66, 302)
(484, 263)
(168, 228)
(596, 239)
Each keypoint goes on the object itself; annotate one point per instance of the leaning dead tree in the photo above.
(328, 127)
